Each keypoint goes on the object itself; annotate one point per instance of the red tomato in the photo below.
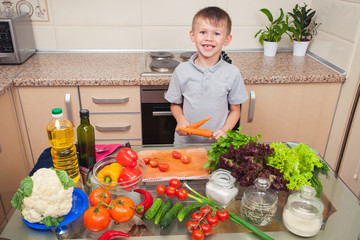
(96, 219)
(223, 214)
(190, 225)
(175, 183)
(176, 154)
(170, 191)
(123, 210)
(212, 219)
(127, 157)
(181, 194)
(163, 167)
(197, 235)
(146, 160)
(153, 163)
(99, 194)
(205, 208)
(160, 189)
(197, 215)
(185, 159)
(206, 228)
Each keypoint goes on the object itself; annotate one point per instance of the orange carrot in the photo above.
(199, 123)
(199, 132)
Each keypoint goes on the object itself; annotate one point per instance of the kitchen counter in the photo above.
(106, 69)
(341, 208)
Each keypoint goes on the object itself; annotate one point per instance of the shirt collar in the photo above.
(202, 69)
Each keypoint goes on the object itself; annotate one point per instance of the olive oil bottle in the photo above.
(86, 140)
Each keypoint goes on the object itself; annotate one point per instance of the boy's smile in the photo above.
(209, 40)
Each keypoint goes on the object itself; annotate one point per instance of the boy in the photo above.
(205, 85)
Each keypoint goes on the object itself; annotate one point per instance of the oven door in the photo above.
(158, 124)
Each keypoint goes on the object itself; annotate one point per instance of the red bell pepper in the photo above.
(109, 234)
(141, 208)
(128, 177)
(127, 157)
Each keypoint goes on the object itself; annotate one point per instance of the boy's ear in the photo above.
(192, 36)
(228, 40)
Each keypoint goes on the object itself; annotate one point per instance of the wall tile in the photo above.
(94, 37)
(167, 38)
(92, 12)
(45, 37)
(174, 12)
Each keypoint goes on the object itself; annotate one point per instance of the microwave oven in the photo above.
(17, 42)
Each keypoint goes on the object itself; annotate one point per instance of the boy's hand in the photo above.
(217, 134)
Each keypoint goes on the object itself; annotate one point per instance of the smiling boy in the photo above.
(206, 84)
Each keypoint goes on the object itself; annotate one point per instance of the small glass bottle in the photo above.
(303, 212)
(259, 203)
(221, 188)
(86, 141)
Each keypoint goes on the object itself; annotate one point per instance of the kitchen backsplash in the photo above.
(37, 9)
(165, 24)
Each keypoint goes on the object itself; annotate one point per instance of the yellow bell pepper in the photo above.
(110, 173)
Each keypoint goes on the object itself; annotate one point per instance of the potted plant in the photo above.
(305, 27)
(271, 35)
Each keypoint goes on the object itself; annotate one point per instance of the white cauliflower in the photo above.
(48, 197)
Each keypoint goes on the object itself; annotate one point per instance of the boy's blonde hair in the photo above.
(215, 15)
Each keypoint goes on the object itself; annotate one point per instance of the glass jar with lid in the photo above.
(303, 212)
(259, 203)
(222, 187)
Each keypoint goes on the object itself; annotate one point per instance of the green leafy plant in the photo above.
(276, 29)
(303, 22)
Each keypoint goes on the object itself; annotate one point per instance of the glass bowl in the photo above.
(119, 188)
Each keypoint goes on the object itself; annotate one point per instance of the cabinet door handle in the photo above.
(161, 113)
(252, 106)
(110, 100)
(68, 107)
(112, 128)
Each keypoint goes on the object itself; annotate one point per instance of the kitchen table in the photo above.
(342, 220)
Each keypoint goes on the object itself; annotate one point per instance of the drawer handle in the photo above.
(110, 100)
(252, 106)
(162, 113)
(112, 128)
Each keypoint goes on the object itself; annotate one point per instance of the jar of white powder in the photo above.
(222, 187)
(303, 212)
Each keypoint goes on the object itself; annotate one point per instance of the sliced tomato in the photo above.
(176, 154)
(175, 183)
(146, 160)
(163, 167)
(185, 159)
(154, 163)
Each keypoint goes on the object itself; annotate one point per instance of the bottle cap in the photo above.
(57, 112)
(84, 113)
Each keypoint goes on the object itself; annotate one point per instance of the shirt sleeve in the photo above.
(238, 93)
(174, 94)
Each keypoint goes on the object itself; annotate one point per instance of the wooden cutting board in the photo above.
(177, 169)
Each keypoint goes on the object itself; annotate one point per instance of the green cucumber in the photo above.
(187, 210)
(170, 215)
(167, 205)
(151, 212)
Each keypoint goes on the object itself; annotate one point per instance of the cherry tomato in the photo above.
(197, 235)
(185, 159)
(212, 219)
(160, 189)
(176, 154)
(98, 194)
(163, 167)
(181, 194)
(146, 160)
(205, 208)
(96, 219)
(190, 225)
(153, 163)
(197, 215)
(170, 191)
(123, 211)
(206, 228)
(223, 214)
(175, 183)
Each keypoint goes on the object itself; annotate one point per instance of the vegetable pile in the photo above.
(46, 197)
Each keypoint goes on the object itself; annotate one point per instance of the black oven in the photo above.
(158, 124)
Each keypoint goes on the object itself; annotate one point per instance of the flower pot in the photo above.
(270, 48)
(300, 48)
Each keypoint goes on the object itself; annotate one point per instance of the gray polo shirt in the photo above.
(205, 92)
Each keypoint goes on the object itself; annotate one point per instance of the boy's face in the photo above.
(209, 39)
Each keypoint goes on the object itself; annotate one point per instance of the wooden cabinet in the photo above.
(115, 113)
(291, 112)
(14, 166)
(35, 104)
